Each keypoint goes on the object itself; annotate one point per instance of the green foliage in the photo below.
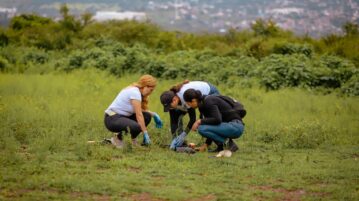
(333, 72)
(3, 64)
(269, 56)
(265, 28)
(351, 87)
(290, 48)
(25, 21)
(35, 56)
(4, 39)
(351, 29)
(277, 71)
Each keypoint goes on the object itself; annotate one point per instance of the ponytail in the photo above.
(176, 88)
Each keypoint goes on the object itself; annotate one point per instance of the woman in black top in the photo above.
(219, 122)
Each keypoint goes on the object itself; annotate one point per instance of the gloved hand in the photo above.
(146, 138)
(158, 120)
(178, 141)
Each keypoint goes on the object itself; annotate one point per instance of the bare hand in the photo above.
(196, 125)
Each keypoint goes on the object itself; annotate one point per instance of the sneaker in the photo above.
(232, 146)
(117, 143)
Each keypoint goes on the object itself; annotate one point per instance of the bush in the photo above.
(4, 64)
(76, 60)
(351, 87)
(35, 56)
(332, 71)
(292, 48)
(277, 71)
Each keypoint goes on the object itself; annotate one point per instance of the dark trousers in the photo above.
(118, 123)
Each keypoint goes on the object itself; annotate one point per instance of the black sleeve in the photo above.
(173, 120)
(212, 115)
(192, 119)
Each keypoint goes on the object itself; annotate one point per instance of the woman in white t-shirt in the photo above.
(129, 111)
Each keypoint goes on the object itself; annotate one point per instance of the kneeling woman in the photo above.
(128, 112)
(219, 121)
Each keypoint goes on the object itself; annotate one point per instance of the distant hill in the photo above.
(314, 17)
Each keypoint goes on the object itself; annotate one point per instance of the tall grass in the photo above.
(46, 120)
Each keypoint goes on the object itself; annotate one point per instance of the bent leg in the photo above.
(220, 132)
(118, 123)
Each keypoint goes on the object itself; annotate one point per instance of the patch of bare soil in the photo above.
(289, 195)
(144, 197)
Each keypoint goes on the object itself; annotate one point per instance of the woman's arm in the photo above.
(192, 119)
(139, 116)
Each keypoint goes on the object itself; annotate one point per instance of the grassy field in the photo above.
(297, 145)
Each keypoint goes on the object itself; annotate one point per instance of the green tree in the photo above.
(351, 29)
(68, 21)
(265, 28)
(86, 18)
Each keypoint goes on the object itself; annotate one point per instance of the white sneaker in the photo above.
(117, 143)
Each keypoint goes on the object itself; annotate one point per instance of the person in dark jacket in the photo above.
(173, 102)
(219, 121)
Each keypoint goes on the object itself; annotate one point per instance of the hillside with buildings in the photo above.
(313, 17)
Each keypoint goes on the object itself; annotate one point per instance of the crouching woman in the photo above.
(219, 123)
(129, 111)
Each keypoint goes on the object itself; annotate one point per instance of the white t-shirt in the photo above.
(122, 103)
(203, 87)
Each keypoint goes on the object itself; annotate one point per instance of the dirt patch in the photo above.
(23, 192)
(289, 195)
(209, 197)
(134, 169)
(144, 197)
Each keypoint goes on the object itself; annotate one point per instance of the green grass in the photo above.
(298, 145)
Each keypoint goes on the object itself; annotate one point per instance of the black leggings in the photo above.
(118, 123)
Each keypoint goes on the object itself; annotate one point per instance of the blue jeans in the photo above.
(219, 133)
(213, 90)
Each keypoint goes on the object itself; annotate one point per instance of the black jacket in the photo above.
(216, 110)
(175, 118)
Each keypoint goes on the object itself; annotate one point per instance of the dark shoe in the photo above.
(232, 146)
(218, 149)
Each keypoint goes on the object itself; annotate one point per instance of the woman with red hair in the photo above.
(129, 112)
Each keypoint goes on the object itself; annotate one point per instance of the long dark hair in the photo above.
(191, 94)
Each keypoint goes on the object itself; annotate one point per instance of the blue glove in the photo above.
(178, 141)
(146, 138)
(158, 120)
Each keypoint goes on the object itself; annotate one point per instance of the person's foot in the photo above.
(232, 146)
(134, 142)
(218, 149)
(117, 142)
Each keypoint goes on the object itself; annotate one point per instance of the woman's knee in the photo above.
(203, 130)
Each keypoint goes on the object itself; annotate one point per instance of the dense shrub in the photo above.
(277, 71)
(35, 56)
(269, 56)
(332, 71)
(291, 48)
(3, 63)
